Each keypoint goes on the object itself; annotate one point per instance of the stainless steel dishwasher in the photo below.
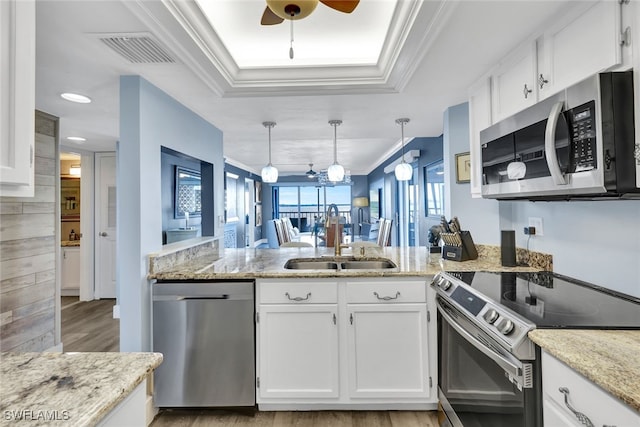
(206, 332)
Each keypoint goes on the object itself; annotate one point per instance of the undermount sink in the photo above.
(339, 264)
(377, 264)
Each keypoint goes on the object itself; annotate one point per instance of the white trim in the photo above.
(374, 406)
(54, 349)
(116, 311)
(152, 410)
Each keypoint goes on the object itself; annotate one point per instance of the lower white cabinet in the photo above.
(70, 274)
(345, 344)
(388, 350)
(298, 351)
(568, 397)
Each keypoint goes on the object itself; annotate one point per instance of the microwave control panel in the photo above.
(582, 129)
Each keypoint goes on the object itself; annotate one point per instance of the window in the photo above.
(304, 205)
(434, 189)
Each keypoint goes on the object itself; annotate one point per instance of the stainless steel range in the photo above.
(489, 370)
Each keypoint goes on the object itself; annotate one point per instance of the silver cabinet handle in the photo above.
(542, 81)
(579, 415)
(526, 91)
(297, 298)
(387, 298)
(103, 234)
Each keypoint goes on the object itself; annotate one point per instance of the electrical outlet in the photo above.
(537, 223)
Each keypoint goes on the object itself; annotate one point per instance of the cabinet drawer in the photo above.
(584, 396)
(386, 292)
(299, 292)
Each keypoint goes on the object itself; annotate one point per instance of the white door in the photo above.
(298, 351)
(387, 346)
(105, 199)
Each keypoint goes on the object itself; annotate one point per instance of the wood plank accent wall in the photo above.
(28, 251)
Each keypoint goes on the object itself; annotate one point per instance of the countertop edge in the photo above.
(607, 366)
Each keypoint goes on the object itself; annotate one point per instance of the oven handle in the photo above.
(515, 371)
(550, 144)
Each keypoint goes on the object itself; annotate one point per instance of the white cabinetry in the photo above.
(354, 343)
(479, 119)
(560, 382)
(70, 275)
(17, 97)
(298, 340)
(513, 81)
(578, 47)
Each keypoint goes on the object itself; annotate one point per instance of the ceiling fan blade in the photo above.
(270, 18)
(346, 6)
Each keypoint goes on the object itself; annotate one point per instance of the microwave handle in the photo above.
(550, 144)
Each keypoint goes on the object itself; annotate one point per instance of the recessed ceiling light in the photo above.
(75, 97)
(76, 138)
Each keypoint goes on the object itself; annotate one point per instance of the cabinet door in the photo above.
(70, 274)
(479, 119)
(579, 48)
(298, 351)
(514, 82)
(17, 98)
(387, 348)
(553, 416)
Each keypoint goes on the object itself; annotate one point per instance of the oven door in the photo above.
(478, 385)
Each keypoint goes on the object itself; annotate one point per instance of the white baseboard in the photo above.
(74, 292)
(259, 242)
(347, 406)
(116, 311)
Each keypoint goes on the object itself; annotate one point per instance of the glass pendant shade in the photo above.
(269, 172)
(404, 171)
(335, 173)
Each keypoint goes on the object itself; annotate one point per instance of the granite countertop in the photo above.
(79, 389)
(608, 358)
(266, 263)
(68, 243)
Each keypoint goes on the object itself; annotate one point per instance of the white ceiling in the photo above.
(431, 52)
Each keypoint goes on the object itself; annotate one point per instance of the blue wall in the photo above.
(149, 119)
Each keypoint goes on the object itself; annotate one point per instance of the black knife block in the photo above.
(465, 252)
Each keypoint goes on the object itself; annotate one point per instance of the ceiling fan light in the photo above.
(306, 7)
(404, 171)
(335, 173)
(269, 174)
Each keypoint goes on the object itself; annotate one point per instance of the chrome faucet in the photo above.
(337, 241)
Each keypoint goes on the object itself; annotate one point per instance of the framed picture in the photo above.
(463, 168)
(258, 215)
(258, 191)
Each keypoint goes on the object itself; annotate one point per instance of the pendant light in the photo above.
(404, 171)
(269, 172)
(335, 173)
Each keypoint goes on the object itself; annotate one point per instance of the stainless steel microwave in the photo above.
(579, 143)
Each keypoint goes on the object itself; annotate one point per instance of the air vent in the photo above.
(137, 48)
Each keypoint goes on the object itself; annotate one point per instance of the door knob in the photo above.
(103, 234)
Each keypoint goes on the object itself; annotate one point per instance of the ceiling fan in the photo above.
(311, 173)
(279, 10)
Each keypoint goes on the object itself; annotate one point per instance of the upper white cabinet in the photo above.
(513, 81)
(569, 398)
(479, 119)
(581, 46)
(17, 97)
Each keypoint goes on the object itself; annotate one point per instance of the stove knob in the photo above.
(444, 284)
(505, 326)
(491, 316)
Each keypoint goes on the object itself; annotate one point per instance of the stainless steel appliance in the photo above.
(488, 368)
(577, 143)
(206, 332)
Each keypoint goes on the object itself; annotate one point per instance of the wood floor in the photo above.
(89, 325)
(212, 418)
